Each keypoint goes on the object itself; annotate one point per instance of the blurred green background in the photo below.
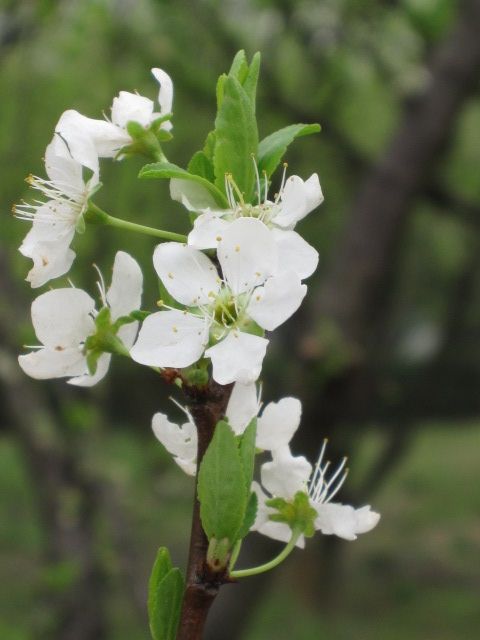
(384, 355)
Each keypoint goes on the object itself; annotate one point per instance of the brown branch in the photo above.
(207, 406)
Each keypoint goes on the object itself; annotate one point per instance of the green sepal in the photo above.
(165, 594)
(135, 130)
(250, 326)
(139, 315)
(157, 123)
(197, 374)
(123, 320)
(272, 148)
(163, 135)
(236, 139)
(298, 514)
(92, 360)
(168, 170)
(221, 486)
(104, 319)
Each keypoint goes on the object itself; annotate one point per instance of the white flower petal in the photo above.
(52, 222)
(187, 466)
(127, 334)
(242, 406)
(88, 139)
(278, 423)
(265, 526)
(237, 358)
(131, 107)
(50, 260)
(125, 292)
(192, 195)
(293, 203)
(208, 230)
(294, 253)
(286, 474)
(51, 363)
(165, 94)
(298, 199)
(188, 275)
(63, 170)
(180, 441)
(247, 254)
(313, 192)
(62, 317)
(343, 520)
(275, 302)
(170, 339)
(88, 380)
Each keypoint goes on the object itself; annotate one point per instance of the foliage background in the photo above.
(87, 493)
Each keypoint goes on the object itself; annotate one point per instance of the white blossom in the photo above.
(63, 319)
(275, 425)
(285, 475)
(295, 199)
(55, 219)
(106, 138)
(220, 311)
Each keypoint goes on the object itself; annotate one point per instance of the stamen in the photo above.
(321, 490)
(282, 184)
(257, 178)
(101, 286)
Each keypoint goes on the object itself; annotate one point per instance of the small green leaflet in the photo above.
(169, 170)
(165, 594)
(272, 148)
(222, 488)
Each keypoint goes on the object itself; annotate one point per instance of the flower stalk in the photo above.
(95, 215)
(262, 568)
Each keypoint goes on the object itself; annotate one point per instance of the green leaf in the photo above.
(251, 81)
(247, 452)
(250, 515)
(272, 148)
(239, 68)
(169, 170)
(201, 165)
(219, 89)
(161, 567)
(236, 139)
(209, 146)
(164, 613)
(221, 486)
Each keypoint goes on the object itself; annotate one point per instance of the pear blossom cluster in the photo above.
(237, 277)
